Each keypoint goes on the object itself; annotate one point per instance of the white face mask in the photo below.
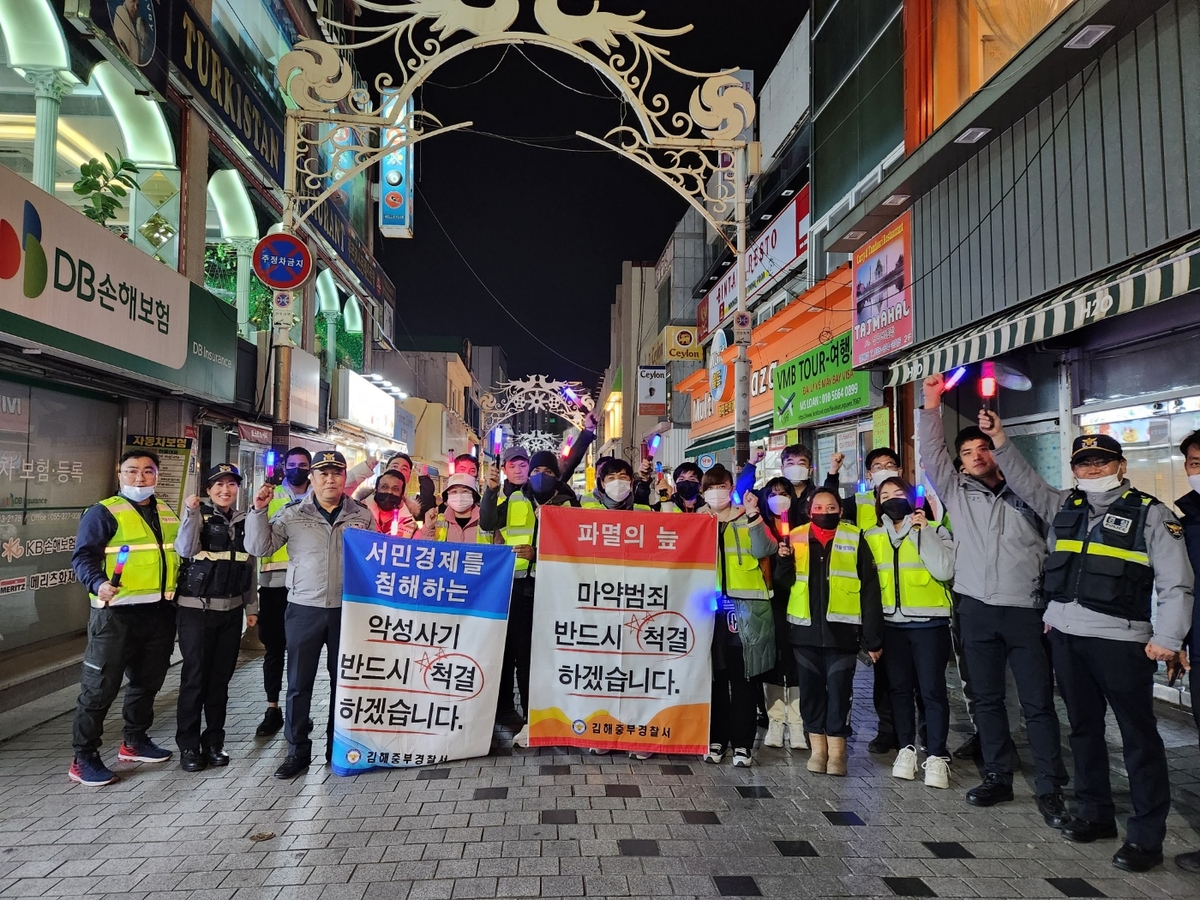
(879, 477)
(1194, 481)
(617, 489)
(1099, 485)
(137, 494)
(717, 498)
(460, 501)
(779, 503)
(795, 473)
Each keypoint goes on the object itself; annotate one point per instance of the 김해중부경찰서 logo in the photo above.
(30, 241)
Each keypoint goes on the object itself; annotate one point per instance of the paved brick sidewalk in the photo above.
(542, 824)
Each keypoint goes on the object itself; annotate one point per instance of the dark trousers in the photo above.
(825, 676)
(1094, 674)
(309, 630)
(995, 637)
(960, 660)
(208, 641)
(272, 604)
(518, 644)
(915, 661)
(134, 641)
(734, 713)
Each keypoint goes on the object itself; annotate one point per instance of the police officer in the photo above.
(1111, 547)
(312, 528)
(272, 590)
(131, 628)
(216, 581)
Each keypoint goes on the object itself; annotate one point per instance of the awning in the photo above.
(725, 441)
(1167, 275)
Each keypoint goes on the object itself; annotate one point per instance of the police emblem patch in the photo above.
(1119, 524)
(1175, 529)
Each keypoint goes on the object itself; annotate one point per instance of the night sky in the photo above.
(546, 230)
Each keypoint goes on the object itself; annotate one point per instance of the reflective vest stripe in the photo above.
(152, 569)
(844, 600)
(220, 556)
(920, 594)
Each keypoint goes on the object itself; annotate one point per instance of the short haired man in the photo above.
(796, 462)
(131, 627)
(1116, 555)
(312, 528)
(272, 590)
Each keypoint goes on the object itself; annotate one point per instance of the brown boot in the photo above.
(837, 757)
(819, 756)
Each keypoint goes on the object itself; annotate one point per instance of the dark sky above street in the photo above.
(546, 229)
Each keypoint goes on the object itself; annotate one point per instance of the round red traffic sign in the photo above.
(282, 262)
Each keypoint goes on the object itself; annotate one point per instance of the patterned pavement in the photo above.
(544, 823)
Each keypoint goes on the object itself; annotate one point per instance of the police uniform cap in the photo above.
(1095, 445)
(329, 459)
(222, 469)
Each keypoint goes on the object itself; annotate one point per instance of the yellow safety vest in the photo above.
(142, 578)
(864, 510)
(921, 595)
(593, 504)
(845, 590)
(519, 525)
(279, 559)
(441, 530)
(744, 579)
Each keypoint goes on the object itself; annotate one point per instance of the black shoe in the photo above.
(292, 766)
(216, 756)
(763, 721)
(1081, 831)
(883, 743)
(1189, 862)
(271, 723)
(993, 790)
(191, 761)
(1053, 809)
(970, 749)
(1134, 858)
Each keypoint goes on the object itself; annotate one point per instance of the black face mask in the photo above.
(896, 508)
(387, 502)
(296, 477)
(688, 490)
(828, 521)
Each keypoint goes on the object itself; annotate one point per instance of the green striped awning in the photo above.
(1167, 275)
(715, 444)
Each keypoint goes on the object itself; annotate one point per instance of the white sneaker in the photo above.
(937, 772)
(522, 738)
(716, 753)
(796, 738)
(774, 737)
(633, 755)
(596, 751)
(742, 758)
(906, 764)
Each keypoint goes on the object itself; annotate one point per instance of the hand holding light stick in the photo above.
(122, 558)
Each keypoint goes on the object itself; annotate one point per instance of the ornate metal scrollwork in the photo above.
(537, 393)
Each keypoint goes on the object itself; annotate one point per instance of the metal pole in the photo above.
(741, 371)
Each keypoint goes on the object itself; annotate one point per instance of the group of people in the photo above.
(994, 567)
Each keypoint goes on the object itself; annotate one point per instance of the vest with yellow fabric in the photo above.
(1106, 569)
(864, 510)
(592, 503)
(142, 579)
(279, 559)
(441, 530)
(905, 580)
(740, 573)
(519, 525)
(845, 589)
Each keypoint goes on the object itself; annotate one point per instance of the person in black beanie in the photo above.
(687, 497)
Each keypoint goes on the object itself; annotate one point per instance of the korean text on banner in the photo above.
(883, 317)
(423, 628)
(622, 647)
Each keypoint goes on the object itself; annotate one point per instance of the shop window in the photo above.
(975, 39)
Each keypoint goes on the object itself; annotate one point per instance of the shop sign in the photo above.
(818, 385)
(306, 384)
(883, 317)
(69, 284)
(405, 433)
(680, 344)
(706, 461)
(236, 101)
(665, 264)
(881, 428)
(362, 404)
(174, 465)
(455, 438)
(134, 35)
(254, 434)
(773, 252)
(652, 391)
(395, 173)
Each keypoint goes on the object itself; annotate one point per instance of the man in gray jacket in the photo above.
(999, 546)
(312, 528)
(1111, 546)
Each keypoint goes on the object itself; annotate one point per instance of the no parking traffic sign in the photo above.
(282, 262)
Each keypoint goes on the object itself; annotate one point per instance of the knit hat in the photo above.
(544, 458)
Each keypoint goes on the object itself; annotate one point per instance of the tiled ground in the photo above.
(541, 823)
